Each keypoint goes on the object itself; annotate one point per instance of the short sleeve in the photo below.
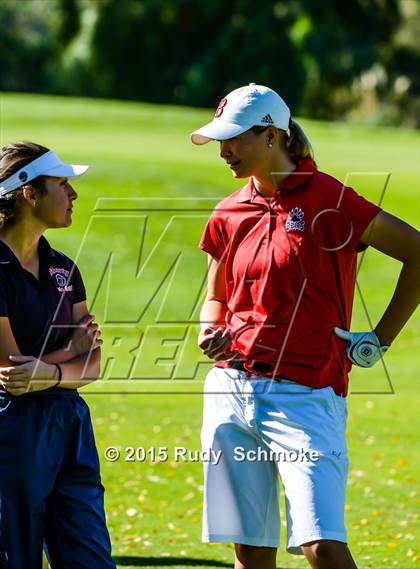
(341, 219)
(79, 290)
(215, 238)
(4, 297)
(360, 213)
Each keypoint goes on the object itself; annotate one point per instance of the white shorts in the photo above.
(255, 429)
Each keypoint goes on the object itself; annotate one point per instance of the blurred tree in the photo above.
(192, 52)
(27, 44)
(398, 94)
(344, 40)
(69, 20)
(314, 53)
(402, 90)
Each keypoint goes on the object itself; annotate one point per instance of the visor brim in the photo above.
(67, 171)
(217, 130)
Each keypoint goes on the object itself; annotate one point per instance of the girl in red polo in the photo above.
(282, 269)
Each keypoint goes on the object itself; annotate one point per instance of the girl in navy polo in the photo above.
(282, 268)
(50, 486)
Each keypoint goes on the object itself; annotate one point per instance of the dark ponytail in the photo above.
(8, 206)
(297, 143)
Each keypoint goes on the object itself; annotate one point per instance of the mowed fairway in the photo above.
(140, 212)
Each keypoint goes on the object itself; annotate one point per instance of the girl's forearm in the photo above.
(81, 370)
(212, 313)
(59, 356)
(404, 301)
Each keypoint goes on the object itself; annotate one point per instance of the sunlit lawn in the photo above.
(158, 191)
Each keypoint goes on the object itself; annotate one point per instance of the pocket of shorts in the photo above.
(338, 403)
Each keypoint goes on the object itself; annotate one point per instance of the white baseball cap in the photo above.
(49, 164)
(240, 110)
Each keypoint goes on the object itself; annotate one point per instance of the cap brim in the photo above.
(67, 170)
(217, 130)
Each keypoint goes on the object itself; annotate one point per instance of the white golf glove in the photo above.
(363, 348)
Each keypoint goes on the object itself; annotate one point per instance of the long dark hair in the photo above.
(13, 157)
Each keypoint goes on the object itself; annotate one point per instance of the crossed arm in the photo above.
(79, 361)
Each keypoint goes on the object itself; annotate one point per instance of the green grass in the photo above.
(142, 161)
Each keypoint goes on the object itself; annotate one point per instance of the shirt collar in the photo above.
(7, 256)
(304, 170)
(44, 248)
(246, 193)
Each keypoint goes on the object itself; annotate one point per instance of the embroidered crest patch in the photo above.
(61, 279)
(295, 219)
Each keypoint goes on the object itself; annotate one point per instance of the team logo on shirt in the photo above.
(295, 219)
(61, 278)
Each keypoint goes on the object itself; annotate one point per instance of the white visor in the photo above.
(49, 164)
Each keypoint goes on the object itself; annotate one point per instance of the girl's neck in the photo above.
(269, 181)
(22, 238)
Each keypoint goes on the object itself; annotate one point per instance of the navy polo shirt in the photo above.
(34, 306)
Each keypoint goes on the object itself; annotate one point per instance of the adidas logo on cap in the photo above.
(267, 119)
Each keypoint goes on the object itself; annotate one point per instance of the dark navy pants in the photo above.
(50, 486)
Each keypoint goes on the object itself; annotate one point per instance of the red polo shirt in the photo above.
(290, 273)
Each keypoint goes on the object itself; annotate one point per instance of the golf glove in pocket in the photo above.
(363, 348)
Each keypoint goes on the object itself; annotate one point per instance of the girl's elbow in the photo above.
(411, 260)
(94, 369)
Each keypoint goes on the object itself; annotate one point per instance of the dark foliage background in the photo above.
(356, 59)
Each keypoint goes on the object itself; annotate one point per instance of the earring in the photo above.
(270, 145)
